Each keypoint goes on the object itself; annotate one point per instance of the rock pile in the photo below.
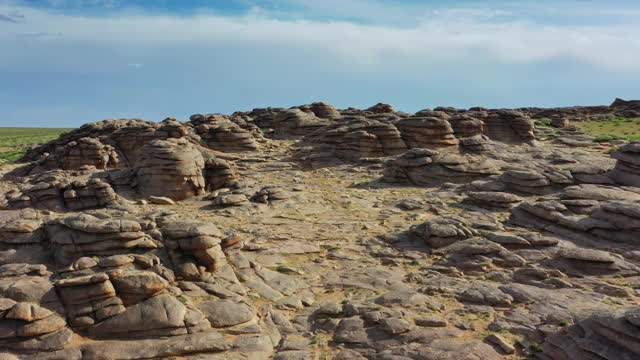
(171, 168)
(295, 123)
(608, 220)
(603, 336)
(88, 299)
(627, 170)
(427, 167)
(322, 110)
(224, 135)
(76, 236)
(353, 139)
(427, 132)
(62, 193)
(194, 248)
(511, 127)
(28, 328)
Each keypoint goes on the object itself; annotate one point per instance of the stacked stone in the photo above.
(465, 126)
(509, 126)
(158, 316)
(442, 231)
(322, 110)
(171, 168)
(427, 132)
(353, 139)
(627, 169)
(218, 173)
(194, 248)
(85, 235)
(494, 199)
(270, 194)
(86, 151)
(526, 181)
(381, 108)
(226, 136)
(295, 123)
(123, 134)
(610, 335)
(88, 299)
(27, 328)
(62, 195)
(610, 220)
(428, 168)
(21, 227)
(475, 144)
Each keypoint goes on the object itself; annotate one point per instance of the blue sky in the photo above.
(68, 62)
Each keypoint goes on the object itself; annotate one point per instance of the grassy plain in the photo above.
(14, 141)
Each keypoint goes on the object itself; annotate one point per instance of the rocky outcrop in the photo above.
(353, 139)
(609, 220)
(29, 328)
(295, 123)
(88, 299)
(173, 168)
(224, 135)
(627, 170)
(62, 193)
(613, 335)
(442, 231)
(322, 110)
(194, 248)
(422, 131)
(218, 173)
(508, 126)
(76, 236)
(427, 167)
(465, 126)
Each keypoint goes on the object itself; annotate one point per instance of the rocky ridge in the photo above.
(320, 233)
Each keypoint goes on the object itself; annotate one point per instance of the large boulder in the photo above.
(172, 168)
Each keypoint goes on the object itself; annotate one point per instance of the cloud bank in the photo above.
(459, 56)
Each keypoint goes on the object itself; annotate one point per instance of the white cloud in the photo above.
(443, 36)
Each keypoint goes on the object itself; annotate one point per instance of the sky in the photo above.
(64, 63)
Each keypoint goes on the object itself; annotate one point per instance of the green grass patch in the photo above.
(610, 129)
(14, 142)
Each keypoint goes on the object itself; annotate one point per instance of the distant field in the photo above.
(620, 128)
(14, 142)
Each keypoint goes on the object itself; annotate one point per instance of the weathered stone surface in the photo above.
(427, 167)
(171, 168)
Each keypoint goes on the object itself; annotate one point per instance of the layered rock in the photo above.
(224, 135)
(612, 335)
(508, 126)
(295, 123)
(172, 168)
(63, 193)
(86, 235)
(218, 173)
(427, 167)
(353, 139)
(627, 169)
(21, 227)
(421, 131)
(442, 231)
(161, 315)
(610, 220)
(28, 328)
(322, 110)
(89, 299)
(494, 199)
(465, 126)
(194, 248)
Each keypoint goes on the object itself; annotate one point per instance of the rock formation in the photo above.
(171, 168)
(314, 232)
